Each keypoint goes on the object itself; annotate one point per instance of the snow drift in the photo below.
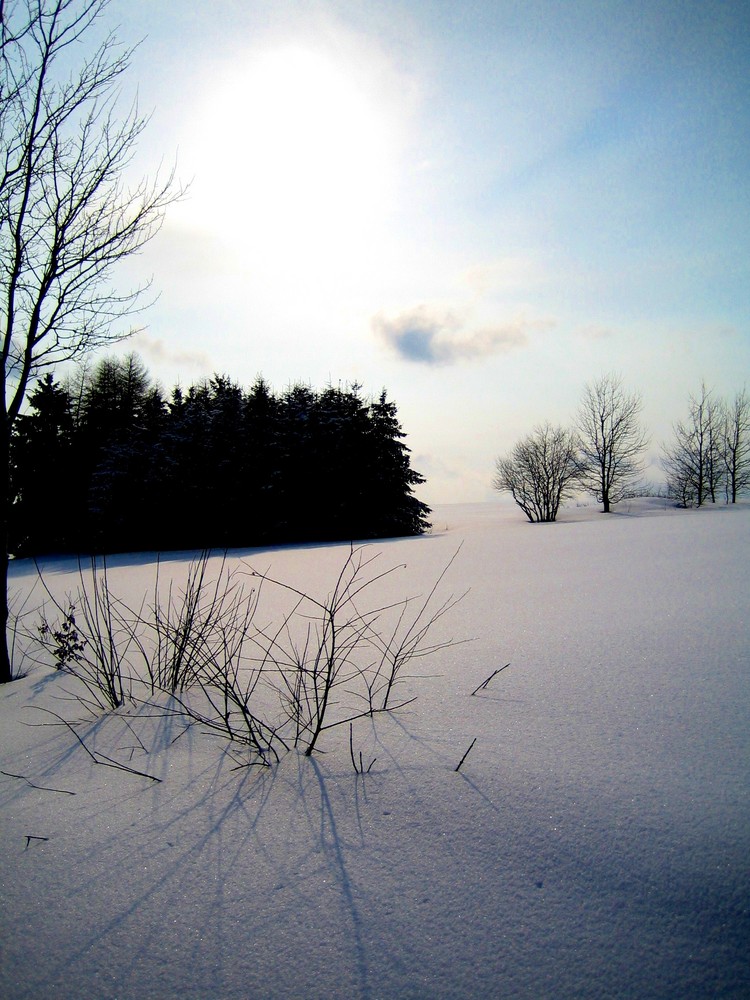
(596, 841)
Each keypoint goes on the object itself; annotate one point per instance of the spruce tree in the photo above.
(43, 510)
(393, 508)
(214, 467)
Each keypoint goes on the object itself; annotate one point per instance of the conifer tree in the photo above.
(394, 510)
(262, 442)
(214, 467)
(41, 466)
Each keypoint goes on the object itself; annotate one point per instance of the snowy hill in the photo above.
(595, 842)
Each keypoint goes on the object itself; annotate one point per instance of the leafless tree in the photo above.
(67, 214)
(540, 472)
(715, 466)
(693, 460)
(612, 440)
(735, 446)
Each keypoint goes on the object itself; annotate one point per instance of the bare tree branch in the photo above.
(69, 213)
(612, 441)
(693, 460)
(541, 472)
(735, 446)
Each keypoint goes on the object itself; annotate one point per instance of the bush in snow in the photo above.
(215, 657)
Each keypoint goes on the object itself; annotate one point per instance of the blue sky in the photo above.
(478, 206)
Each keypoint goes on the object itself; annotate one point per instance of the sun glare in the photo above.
(294, 157)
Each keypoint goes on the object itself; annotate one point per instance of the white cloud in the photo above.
(431, 336)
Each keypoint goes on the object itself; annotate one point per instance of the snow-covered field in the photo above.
(595, 843)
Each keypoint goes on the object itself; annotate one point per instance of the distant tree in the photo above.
(261, 436)
(612, 441)
(215, 466)
(715, 465)
(354, 454)
(341, 454)
(188, 469)
(392, 508)
(66, 217)
(692, 461)
(541, 471)
(112, 446)
(226, 497)
(42, 464)
(147, 469)
(298, 493)
(735, 446)
(102, 448)
(76, 383)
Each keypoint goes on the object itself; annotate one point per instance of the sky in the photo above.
(479, 207)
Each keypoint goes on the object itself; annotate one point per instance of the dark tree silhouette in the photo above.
(692, 461)
(735, 445)
(394, 508)
(42, 464)
(612, 441)
(262, 434)
(540, 472)
(215, 466)
(66, 217)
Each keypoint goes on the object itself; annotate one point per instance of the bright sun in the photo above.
(295, 158)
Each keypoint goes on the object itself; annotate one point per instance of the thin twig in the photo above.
(41, 788)
(359, 768)
(106, 761)
(458, 766)
(484, 684)
(136, 737)
(30, 837)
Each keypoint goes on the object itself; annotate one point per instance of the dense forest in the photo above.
(105, 461)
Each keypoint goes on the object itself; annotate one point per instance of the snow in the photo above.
(595, 843)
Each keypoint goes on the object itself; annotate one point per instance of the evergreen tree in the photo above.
(262, 476)
(298, 497)
(213, 467)
(43, 511)
(113, 447)
(227, 483)
(188, 447)
(392, 508)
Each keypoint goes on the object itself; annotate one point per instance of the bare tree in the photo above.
(67, 216)
(693, 460)
(715, 466)
(735, 446)
(612, 440)
(540, 472)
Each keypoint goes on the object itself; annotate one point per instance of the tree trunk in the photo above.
(5, 666)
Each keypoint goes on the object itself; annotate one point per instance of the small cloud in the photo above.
(422, 335)
(158, 352)
(427, 336)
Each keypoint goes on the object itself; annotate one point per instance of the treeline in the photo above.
(602, 453)
(105, 461)
(708, 459)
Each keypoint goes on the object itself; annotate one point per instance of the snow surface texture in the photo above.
(595, 843)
